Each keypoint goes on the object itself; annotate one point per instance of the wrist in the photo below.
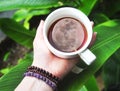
(43, 75)
(33, 84)
(39, 72)
(43, 86)
(46, 66)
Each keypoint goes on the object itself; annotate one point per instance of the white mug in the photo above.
(85, 54)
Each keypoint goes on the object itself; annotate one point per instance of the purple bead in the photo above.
(27, 75)
(47, 81)
(40, 77)
(36, 75)
(30, 73)
(44, 79)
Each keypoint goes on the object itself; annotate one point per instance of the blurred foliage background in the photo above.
(20, 29)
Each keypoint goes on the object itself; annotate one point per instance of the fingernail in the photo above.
(92, 22)
(95, 33)
(41, 21)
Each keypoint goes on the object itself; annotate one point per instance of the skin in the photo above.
(44, 59)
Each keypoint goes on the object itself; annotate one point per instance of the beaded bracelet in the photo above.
(43, 73)
(46, 80)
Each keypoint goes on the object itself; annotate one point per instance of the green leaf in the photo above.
(107, 42)
(34, 4)
(10, 81)
(91, 84)
(111, 72)
(17, 32)
(87, 6)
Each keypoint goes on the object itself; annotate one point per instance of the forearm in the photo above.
(33, 84)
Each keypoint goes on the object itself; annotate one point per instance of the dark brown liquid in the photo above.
(67, 34)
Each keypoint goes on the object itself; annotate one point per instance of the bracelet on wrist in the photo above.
(43, 75)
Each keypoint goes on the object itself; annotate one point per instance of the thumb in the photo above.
(39, 33)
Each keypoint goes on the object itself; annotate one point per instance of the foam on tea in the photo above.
(67, 34)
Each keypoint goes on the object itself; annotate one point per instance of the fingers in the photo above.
(93, 39)
(92, 23)
(39, 32)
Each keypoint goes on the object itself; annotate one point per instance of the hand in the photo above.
(43, 58)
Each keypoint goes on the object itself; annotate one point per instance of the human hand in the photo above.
(44, 59)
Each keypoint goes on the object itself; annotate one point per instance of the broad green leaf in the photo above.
(10, 81)
(17, 32)
(87, 6)
(34, 4)
(111, 72)
(91, 84)
(107, 42)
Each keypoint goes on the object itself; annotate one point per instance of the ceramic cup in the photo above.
(85, 54)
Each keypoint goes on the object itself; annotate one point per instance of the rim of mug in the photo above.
(46, 28)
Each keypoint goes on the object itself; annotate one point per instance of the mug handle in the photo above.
(87, 56)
